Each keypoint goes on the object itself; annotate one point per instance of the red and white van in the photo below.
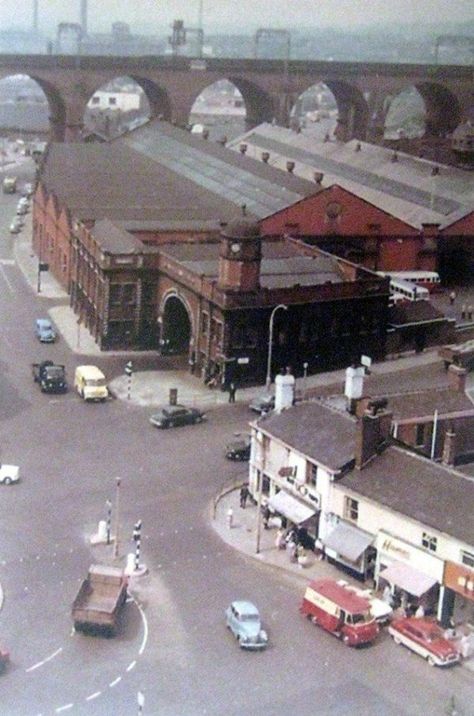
(337, 609)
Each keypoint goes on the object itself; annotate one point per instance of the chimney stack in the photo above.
(284, 391)
(449, 447)
(457, 378)
(373, 432)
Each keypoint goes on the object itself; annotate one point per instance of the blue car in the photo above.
(44, 330)
(243, 619)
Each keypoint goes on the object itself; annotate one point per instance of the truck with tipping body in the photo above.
(100, 599)
(460, 354)
(50, 376)
(340, 611)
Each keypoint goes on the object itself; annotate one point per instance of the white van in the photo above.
(90, 383)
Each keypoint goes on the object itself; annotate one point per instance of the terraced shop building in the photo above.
(213, 300)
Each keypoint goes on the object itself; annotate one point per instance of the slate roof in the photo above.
(414, 312)
(434, 495)
(406, 483)
(325, 436)
(405, 189)
(423, 403)
(281, 266)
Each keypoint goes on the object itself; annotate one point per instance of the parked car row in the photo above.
(347, 612)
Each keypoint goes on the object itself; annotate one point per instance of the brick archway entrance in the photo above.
(176, 331)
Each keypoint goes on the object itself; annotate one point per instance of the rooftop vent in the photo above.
(265, 157)
(243, 148)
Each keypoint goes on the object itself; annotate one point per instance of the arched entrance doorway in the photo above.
(176, 327)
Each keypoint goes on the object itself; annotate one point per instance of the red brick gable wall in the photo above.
(463, 227)
(351, 216)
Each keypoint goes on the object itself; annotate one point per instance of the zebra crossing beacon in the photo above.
(129, 373)
(137, 538)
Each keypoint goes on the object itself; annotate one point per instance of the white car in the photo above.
(9, 474)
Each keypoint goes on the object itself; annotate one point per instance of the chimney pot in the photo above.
(265, 157)
(318, 177)
(242, 148)
(290, 166)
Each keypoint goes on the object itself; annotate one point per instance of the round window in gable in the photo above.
(333, 210)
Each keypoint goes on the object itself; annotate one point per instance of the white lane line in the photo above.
(132, 665)
(64, 708)
(48, 658)
(93, 696)
(115, 681)
(7, 262)
(145, 629)
(7, 280)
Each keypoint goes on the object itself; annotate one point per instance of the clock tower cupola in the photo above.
(239, 257)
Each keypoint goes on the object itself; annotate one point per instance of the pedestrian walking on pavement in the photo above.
(244, 493)
(452, 297)
(232, 390)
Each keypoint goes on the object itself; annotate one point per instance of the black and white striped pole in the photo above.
(137, 538)
(109, 521)
(129, 373)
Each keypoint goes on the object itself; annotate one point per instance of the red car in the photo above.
(426, 638)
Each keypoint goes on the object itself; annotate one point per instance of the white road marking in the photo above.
(7, 262)
(115, 681)
(93, 696)
(7, 280)
(131, 665)
(48, 658)
(64, 708)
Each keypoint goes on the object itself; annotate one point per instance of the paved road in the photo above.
(173, 645)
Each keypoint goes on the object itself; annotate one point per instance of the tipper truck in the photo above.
(100, 599)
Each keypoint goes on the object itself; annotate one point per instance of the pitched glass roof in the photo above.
(390, 186)
(261, 196)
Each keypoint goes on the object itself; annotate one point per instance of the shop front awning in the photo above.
(348, 541)
(291, 508)
(407, 578)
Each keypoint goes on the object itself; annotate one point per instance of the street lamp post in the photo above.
(268, 380)
(305, 375)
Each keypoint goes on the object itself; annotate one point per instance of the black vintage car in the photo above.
(238, 450)
(174, 415)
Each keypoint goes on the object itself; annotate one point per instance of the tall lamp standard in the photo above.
(268, 380)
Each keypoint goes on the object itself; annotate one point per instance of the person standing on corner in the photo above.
(232, 390)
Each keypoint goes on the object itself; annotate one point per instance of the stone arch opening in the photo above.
(176, 326)
(220, 110)
(114, 108)
(422, 110)
(230, 106)
(315, 110)
(28, 106)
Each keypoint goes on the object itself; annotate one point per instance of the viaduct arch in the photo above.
(268, 88)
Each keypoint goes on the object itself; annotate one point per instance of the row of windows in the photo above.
(428, 541)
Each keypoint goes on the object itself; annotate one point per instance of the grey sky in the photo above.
(156, 16)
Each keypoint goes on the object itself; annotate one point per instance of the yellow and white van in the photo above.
(90, 383)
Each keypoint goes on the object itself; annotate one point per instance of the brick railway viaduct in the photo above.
(269, 88)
